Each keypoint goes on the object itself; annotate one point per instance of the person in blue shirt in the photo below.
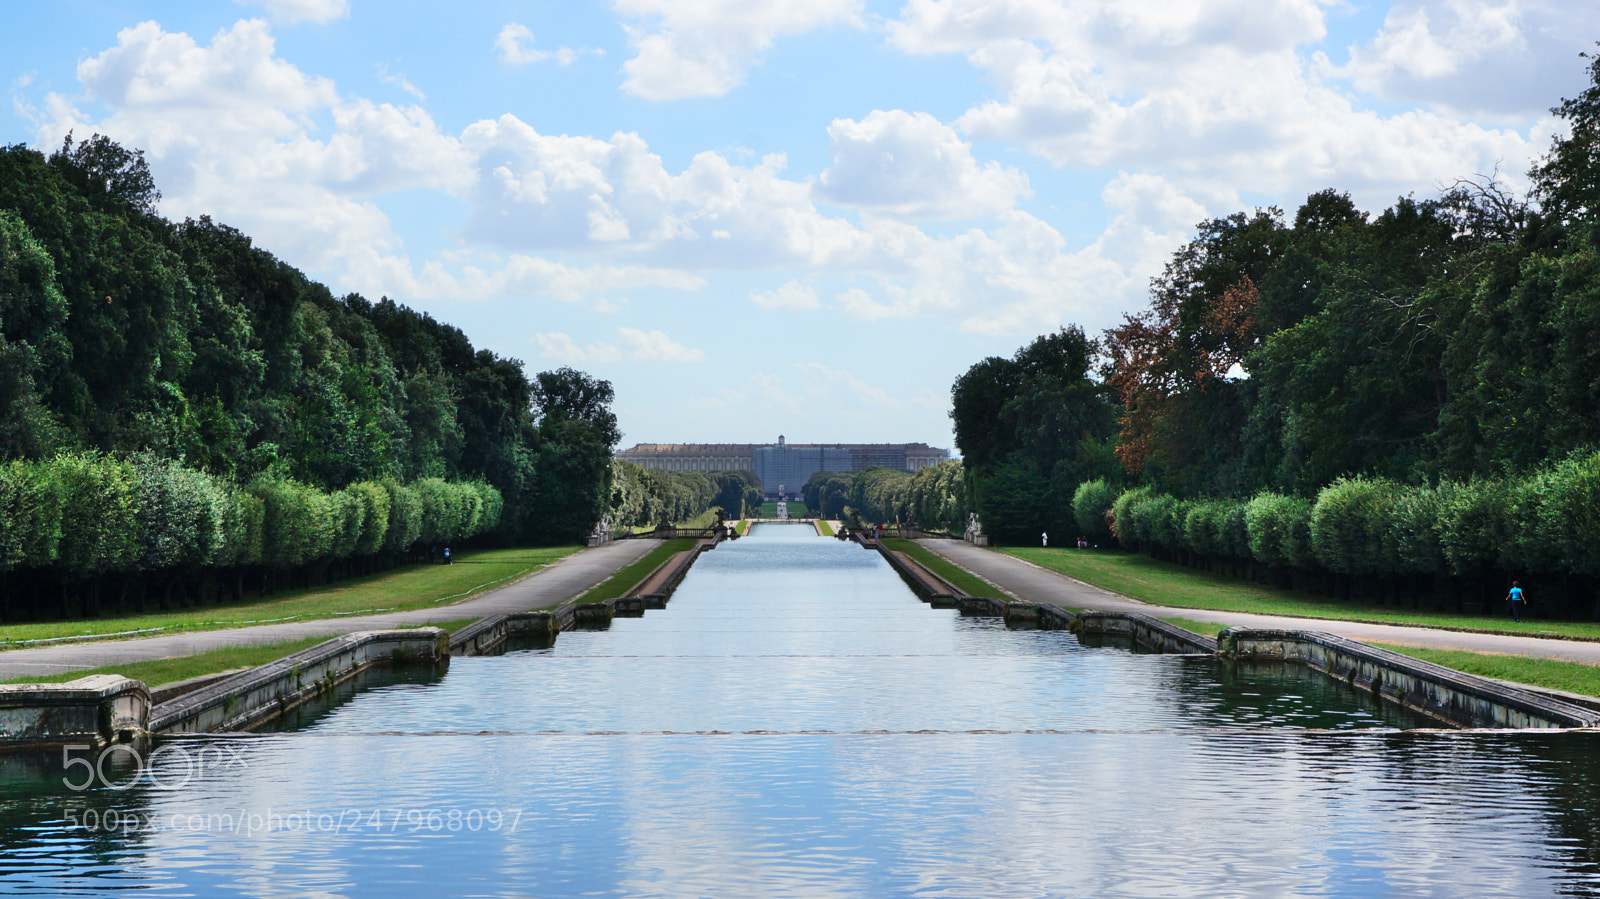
(1516, 599)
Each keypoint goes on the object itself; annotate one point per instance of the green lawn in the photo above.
(743, 527)
(166, 671)
(797, 509)
(824, 528)
(1204, 628)
(1553, 674)
(411, 587)
(623, 581)
(959, 577)
(1167, 584)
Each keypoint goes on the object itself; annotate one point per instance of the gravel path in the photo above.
(1027, 581)
(547, 587)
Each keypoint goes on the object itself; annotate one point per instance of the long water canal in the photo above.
(797, 723)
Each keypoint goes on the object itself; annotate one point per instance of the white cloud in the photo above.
(792, 295)
(914, 166)
(561, 348)
(233, 131)
(760, 392)
(519, 276)
(400, 81)
(1203, 92)
(1494, 58)
(515, 43)
(291, 11)
(654, 346)
(640, 346)
(822, 377)
(703, 48)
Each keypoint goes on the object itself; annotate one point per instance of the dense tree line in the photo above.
(934, 497)
(1406, 403)
(184, 350)
(147, 523)
(644, 497)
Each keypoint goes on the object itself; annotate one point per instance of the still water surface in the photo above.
(796, 723)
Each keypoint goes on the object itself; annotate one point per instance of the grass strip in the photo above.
(1203, 628)
(1168, 584)
(959, 577)
(1552, 674)
(165, 671)
(621, 582)
(409, 587)
(743, 527)
(824, 528)
(158, 672)
(797, 509)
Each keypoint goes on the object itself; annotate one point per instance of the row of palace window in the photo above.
(701, 464)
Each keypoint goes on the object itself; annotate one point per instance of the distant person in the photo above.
(447, 559)
(1516, 598)
(1044, 539)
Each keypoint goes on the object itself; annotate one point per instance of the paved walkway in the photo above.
(1027, 581)
(544, 588)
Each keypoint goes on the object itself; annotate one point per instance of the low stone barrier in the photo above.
(488, 634)
(928, 586)
(1451, 696)
(1151, 633)
(96, 710)
(260, 694)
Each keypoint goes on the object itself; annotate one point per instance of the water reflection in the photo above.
(795, 724)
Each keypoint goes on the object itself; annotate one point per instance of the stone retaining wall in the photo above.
(488, 634)
(1448, 695)
(96, 710)
(260, 694)
(1151, 633)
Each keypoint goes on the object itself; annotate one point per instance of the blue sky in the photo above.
(782, 216)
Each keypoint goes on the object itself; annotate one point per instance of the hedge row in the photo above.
(1547, 522)
(86, 515)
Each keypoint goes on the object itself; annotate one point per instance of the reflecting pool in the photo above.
(797, 723)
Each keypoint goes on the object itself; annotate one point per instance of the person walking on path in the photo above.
(1516, 598)
(1044, 539)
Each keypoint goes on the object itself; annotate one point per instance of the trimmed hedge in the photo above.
(1546, 522)
(85, 515)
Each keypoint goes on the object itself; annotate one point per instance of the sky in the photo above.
(798, 217)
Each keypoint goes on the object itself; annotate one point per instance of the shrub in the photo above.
(181, 514)
(30, 515)
(1350, 526)
(1126, 525)
(99, 515)
(1091, 505)
(1569, 521)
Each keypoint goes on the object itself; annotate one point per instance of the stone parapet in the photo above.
(96, 710)
(1450, 696)
(1144, 630)
(260, 694)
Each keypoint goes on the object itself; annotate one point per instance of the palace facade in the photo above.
(783, 465)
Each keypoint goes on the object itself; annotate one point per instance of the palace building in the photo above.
(783, 464)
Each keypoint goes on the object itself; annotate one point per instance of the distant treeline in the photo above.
(934, 497)
(645, 497)
(180, 347)
(1405, 404)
